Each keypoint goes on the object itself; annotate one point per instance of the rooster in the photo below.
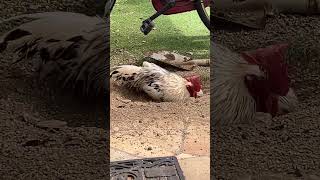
(72, 47)
(156, 82)
(249, 85)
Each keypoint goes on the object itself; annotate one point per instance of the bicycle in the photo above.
(169, 7)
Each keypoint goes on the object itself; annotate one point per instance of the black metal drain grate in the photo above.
(162, 168)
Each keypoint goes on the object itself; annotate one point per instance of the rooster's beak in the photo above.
(200, 93)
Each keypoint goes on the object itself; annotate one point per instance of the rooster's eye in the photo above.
(262, 69)
(265, 72)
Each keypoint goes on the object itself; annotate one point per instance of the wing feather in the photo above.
(75, 45)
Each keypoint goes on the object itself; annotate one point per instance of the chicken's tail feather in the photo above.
(125, 74)
(35, 16)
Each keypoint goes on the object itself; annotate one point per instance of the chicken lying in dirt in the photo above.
(156, 82)
(251, 85)
(72, 47)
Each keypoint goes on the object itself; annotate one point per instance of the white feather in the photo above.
(288, 103)
(231, 100)
(158, 83)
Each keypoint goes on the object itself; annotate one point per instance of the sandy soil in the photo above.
(137, 123)
(29, 151)
(289, 144)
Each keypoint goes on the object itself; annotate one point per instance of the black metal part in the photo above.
(148, 25)
(166, 168)
(199, 4)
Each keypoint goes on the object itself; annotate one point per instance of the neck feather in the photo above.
(232, 101)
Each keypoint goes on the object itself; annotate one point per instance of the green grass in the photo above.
(180, 32)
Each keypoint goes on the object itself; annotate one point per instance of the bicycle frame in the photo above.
(168, 7)
(180, 6)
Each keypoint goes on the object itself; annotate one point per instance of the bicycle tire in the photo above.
(203, 13)
(109, 4)
(113, 2)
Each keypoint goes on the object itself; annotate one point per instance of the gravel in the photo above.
(289, 145)
(34, 141)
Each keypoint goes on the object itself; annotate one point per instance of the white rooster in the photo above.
(247, 85)
(156, 82)
(72, 47)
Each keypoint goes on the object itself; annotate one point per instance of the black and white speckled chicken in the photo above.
(158, 83)
(249, 85)
(72, 47)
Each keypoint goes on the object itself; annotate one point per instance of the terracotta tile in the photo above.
(196, 168)
(185, 156)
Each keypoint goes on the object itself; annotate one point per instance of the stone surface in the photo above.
(197, 168)
(197, 140)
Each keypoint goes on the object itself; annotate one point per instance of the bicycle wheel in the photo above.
(111, 4)
(203, 12)
(104, 7)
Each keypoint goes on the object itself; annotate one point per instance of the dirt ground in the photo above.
(155, 124)
(29, 151)
(129, 107)
(289, 145)
(141, 128)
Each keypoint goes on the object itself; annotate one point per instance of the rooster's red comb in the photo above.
(272, 58)
(264, 55)
(195, 80)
